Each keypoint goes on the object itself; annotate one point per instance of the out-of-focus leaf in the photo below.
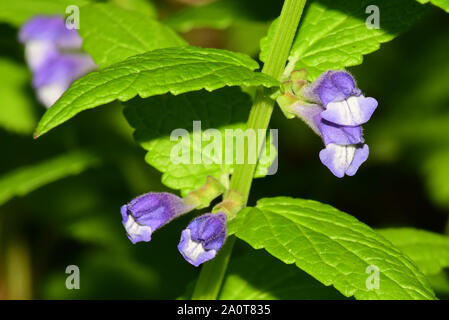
(333, 34)
(169, 70)
(414, 129)
(99, 230)
(436, 172)
(103, 275)
(332, 246)
(221, 14)
(27, 179)
(249, 41)
(430, 251)
(259, 276)
(440, 283)
(112, 34)
(217, 14)
(156, 118)
(17, 12)
(146, 7)
(16, 112)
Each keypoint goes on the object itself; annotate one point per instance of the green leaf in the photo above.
(17, 12)
(86, 230)
(17, 110)
(443, 4)
(27, 179)
(156, 118)
(430, 251)
(112, 34)
(173, 70)
(332, 246)
(333, 33)
(258, 276)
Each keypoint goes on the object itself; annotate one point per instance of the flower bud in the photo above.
(148, 212)
(203, 238)
(292, 90)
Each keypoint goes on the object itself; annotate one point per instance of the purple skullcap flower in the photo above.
(334, 108)
(345, 149)
(345, 104)
(53, 54)
(44, 36)
(150, 211)
(50, 29)
(203, 238)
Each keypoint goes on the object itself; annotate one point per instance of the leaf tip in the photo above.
(36, 134)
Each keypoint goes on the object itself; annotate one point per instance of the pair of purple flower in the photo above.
(200, 241)
(335, 109)
(54, 56)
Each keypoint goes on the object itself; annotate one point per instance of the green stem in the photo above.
(212, 274)
(260, 114)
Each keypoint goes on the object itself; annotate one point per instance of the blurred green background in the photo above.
(76, 220)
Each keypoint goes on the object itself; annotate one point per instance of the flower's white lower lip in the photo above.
(193, 250)
(134, 229)
(37, 52)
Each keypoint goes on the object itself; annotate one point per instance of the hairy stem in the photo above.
(212, 274)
